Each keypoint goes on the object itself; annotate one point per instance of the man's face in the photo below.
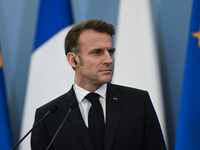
(97, 56)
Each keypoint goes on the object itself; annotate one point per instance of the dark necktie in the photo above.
(96, 118)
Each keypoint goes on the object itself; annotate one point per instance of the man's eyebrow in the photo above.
(94, 50)
(112, 49)
(97, 49)
(101, 49)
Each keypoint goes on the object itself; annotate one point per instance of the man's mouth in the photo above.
(106, 70)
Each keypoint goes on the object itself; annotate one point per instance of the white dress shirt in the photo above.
(84, 104)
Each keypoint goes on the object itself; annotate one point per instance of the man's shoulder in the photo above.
(60, 100)
(118, 87)
(130, 94)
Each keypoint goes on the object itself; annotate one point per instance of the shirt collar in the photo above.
(81, 93)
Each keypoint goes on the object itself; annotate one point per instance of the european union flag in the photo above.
(5, 132)
(188, 129)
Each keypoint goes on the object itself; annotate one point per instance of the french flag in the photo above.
(50, 75)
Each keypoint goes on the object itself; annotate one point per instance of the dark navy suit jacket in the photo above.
(131, 123)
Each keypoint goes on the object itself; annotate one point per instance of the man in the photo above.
(129, 121)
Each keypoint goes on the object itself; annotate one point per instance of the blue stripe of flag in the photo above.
(53, 16)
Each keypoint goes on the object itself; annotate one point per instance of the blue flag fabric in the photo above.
(188, 129)
(53, 16)
(5, 130)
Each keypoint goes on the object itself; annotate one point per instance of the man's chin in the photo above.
(106, 80)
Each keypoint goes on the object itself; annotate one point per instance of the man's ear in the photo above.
(71, 58)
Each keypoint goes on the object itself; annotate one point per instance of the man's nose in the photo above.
(108, 58)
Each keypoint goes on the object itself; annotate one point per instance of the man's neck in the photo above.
(90, 88)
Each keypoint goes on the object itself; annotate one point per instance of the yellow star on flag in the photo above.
(197, 35)
(1, 64)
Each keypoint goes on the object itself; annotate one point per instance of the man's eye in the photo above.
(96, 52)
(111, 51)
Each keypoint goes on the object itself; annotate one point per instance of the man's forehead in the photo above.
(91, 32)
(92, 37)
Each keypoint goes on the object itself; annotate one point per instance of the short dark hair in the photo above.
(71, 39)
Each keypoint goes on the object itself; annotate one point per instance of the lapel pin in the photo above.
(115, 98)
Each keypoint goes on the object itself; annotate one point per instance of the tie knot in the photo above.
(92, 97)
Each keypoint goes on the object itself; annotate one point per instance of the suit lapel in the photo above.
(113, 105)
(77, 122)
